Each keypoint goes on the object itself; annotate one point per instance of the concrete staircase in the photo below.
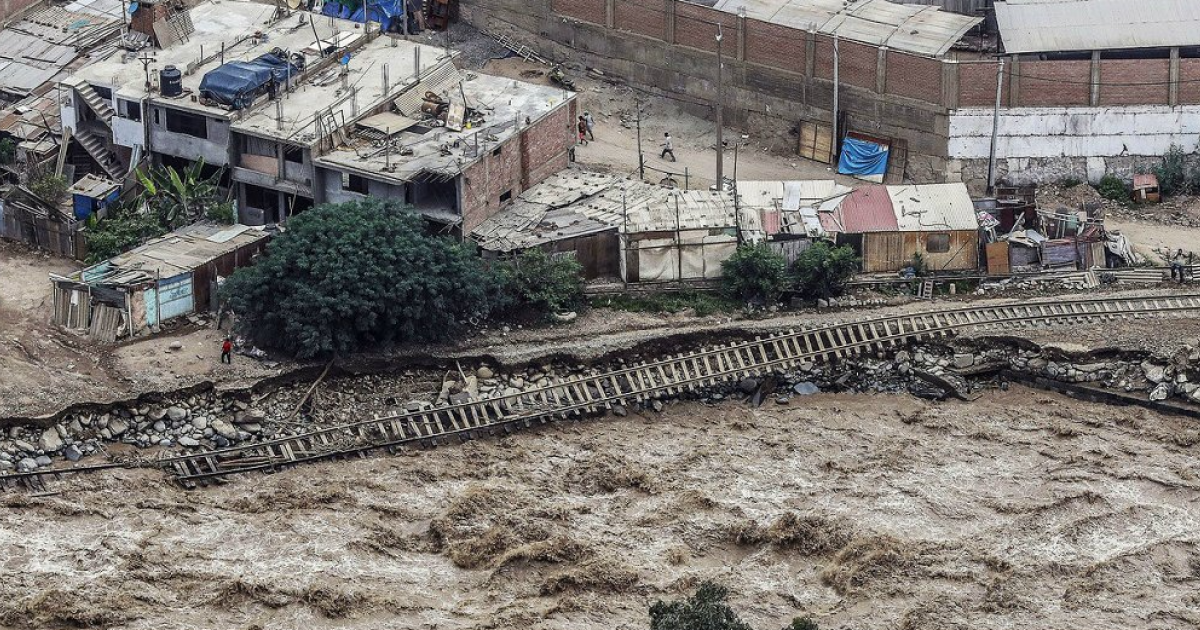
(103, 111)
(99, 152)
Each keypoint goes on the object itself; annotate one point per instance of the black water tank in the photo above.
(171, 80)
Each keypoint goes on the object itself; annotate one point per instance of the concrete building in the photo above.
(351, 121)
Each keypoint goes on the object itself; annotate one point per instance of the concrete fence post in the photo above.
(741, 34)
(669, 14)
(1095, 98)
(1173, 90)
(950, 84)
(610, 13)
(881, 69)
(810, 54)
(1014, 81)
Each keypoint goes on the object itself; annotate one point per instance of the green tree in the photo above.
(125, 227)
(353, 276)
(1172, 172)
(51, 188)
(178, 198)
(8, 151)
(803, 623)
(535, 281)
(754, 273)
(705, 610)
(822, 270)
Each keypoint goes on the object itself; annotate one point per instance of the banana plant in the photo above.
(178, 197)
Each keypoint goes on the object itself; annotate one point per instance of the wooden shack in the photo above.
(888, 225)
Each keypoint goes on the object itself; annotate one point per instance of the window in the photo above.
(187, 124)
(506, 196)
(354, 183)
(157, 120)
(293, 154)
(261, 198)
(497, 151)
(132, 110)
(937, 243)
(259, 146)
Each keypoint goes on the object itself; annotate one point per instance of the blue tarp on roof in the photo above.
(236, 83)
(386, 12)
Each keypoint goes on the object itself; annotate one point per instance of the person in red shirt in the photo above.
(227, 351)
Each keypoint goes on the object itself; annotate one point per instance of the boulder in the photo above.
(1154, 373)
(806, 388)
(27, 463)
(160, 427)
(964, 360)
(43, 460)
(72, 453)
(903, 357)
(224, 429)
(188, 442)
(461, 398)
(620, 411)
(117, 426)
(748, 385)
(485, 372)
(50, 440)
(22, 445)
(6, 465)
(177, 414)
(1161, 392)
(250, 416)
(200, 422)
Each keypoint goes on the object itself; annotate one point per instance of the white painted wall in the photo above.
(66, 112)
(1083, 132)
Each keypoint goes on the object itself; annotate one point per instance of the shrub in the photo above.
(754, 273)
(1069, 182)
(1172, 172)
(1113, 188)
(125, 228)
(803, 623)
(221, 213)
(8, 151)
(919, 266)
(535, 281)
(51, 188)
(705, 610)
(822, 270)
(353, 276)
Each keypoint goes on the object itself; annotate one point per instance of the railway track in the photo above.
(592, 393)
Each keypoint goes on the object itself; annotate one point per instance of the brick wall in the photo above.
(487, 179)
(544, 146)
(647, 17)
(1189, 81)
(1116, 75)
(144, 18)
(1051, 83)
(587, 10)
(857, 63)
(696, 27)
(776, 46)
(977, 84)
(914, 77)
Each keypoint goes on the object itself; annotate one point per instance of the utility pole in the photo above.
(146, 58)
(836, 86)
(720, 110)
(637, 100)
(991, 187)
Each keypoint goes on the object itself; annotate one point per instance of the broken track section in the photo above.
(589, 394)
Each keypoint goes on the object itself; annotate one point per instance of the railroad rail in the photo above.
(668, 376)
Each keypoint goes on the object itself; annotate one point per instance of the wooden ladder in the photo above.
(926, 290)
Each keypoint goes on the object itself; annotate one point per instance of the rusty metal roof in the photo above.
(868, 209)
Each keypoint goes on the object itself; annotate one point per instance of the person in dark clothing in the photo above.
(1177, 261)
(227, 351)
(581, 126)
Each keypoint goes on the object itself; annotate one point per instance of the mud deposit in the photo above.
(1021, 510)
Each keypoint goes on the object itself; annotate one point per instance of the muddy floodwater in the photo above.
(1020, 510)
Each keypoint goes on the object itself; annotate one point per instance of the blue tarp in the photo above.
(863, 159)
(236, 83)
(387, 12)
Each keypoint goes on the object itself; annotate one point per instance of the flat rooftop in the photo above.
(363, 88)
(506, 105)
(229, 23)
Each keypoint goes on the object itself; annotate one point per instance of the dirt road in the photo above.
(1022, 510)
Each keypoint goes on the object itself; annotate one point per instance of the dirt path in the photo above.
(1023, 510)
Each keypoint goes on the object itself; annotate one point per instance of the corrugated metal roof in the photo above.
(1028, 26)
(178, 252)
(867, 209)
(918, 29)
(439, 81)
(933, 207)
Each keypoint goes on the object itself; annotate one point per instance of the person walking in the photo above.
(1176, 263)
(668, 147)
(227, 351)
(591, 125)
(582, 127)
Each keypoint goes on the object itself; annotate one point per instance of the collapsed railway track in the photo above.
(631, 384)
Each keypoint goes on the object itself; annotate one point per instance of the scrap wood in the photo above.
(311, 389)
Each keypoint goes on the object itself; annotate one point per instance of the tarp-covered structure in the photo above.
(236, 84)
(388, 13)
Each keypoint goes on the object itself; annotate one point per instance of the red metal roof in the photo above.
(868, 209)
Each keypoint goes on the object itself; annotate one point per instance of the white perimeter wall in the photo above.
(1049, 132)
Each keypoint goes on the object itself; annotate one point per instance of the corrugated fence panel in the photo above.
(175, 297)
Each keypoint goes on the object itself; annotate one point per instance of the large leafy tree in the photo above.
(705, 610)
(358, 275)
